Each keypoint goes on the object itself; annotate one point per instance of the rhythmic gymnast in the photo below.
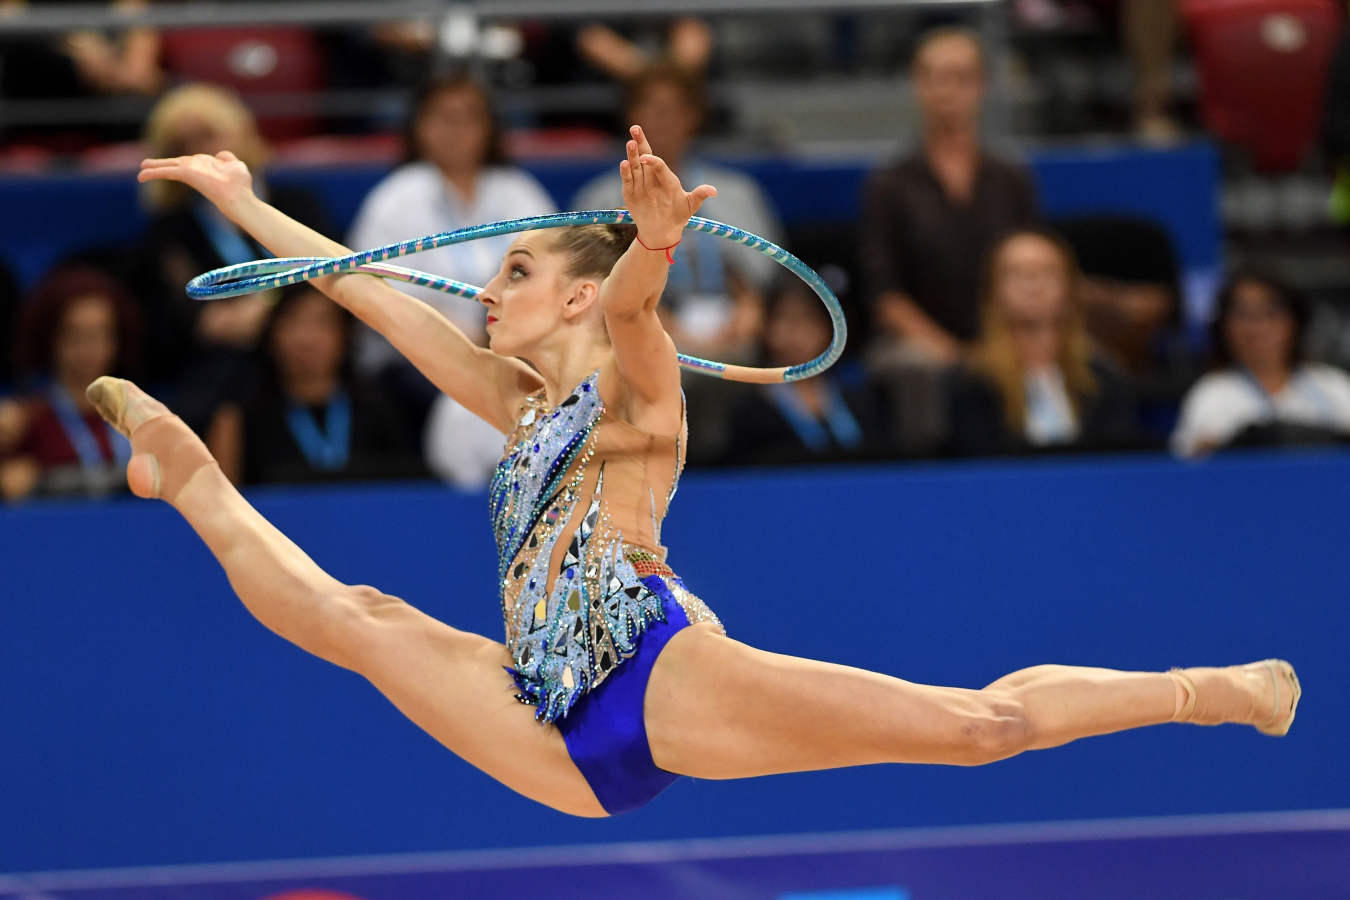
(613, 680)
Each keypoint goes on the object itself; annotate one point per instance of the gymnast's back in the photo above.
(577, 502)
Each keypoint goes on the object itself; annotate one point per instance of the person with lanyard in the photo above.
(836, 416)
(1262, 391)
(204, 350)
(310, 416)
(77, 324)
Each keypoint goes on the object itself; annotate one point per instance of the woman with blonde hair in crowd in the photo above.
(1032, 382)
(204, 347)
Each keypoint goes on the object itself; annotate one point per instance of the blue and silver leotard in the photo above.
(577, 502)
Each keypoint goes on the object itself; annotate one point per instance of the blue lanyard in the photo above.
(838, 419)
(78, 433)
(228, 242)
(326, 452)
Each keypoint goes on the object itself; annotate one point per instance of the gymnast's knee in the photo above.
(997, 730)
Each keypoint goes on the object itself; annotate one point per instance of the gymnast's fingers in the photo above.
(658, 172)
(634, 165)
(159, 173)
(643, 147)
(157, 163)
(227, 156)
(698, 195)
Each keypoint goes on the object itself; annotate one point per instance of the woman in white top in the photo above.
(455, 174)
(1262, 391)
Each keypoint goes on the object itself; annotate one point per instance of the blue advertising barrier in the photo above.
(148, 719)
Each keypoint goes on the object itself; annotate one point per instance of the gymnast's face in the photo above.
(532, 301)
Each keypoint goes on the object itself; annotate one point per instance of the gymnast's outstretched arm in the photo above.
(643, 351)
(488, 385)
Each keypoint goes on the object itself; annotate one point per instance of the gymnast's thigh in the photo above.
(719, 708)
(453, 685)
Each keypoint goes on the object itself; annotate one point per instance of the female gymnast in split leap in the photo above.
(613, 679)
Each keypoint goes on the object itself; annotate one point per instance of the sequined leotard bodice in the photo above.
(577, 502)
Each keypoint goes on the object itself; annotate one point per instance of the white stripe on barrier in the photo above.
(690, 849)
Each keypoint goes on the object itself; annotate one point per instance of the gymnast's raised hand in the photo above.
(613, 678)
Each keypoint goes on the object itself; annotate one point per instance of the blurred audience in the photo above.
(204, 348)
(78, 324)
(1032, 382)
(310, 417)
(927, 217)
(686, 43)
(82, 63)
(1132, 308)
(1149, 29)
(714, 298)
(1262, 391)
(839, 415)
(455, 174)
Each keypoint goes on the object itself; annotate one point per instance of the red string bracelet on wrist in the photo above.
(669, 259)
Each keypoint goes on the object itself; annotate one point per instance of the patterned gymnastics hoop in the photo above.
(245, 278)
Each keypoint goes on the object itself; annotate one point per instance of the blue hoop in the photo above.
(246, 278)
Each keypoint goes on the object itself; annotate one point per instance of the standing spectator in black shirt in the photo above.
(928, 220)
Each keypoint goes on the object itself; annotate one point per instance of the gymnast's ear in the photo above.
(584, 294)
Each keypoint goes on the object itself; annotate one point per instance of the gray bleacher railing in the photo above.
(459, 18)
(34, 20)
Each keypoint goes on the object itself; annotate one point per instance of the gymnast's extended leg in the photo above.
(450, 682)
(717, 708)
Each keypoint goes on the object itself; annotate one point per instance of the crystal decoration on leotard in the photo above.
(569, 624)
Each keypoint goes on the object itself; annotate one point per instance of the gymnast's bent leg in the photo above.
(717, 708)
(449, 682)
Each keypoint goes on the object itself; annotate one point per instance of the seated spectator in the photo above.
(1132, 309)
(309, 416)
(455, 174)
(1262, 391)
(927, 217)
(460, 448)
(714, 298)
(204, 348)
(1032, 382)
(838, 415)
(77, 325)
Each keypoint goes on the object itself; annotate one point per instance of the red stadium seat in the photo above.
(256, 62)
(1263, 67)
